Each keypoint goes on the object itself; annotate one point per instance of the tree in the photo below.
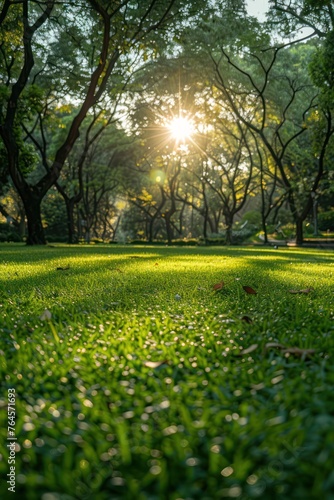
(289, 15)
(283, 119)
(272, 190)
(107, 163)
(114, 31)
(230, 165)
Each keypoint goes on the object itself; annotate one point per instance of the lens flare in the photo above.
(181, 128)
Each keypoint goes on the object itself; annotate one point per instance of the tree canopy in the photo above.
(163, 120)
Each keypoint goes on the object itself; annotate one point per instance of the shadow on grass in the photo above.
(128, 277)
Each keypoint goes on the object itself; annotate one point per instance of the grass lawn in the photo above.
(146, 383)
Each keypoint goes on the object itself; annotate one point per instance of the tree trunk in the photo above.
(299, 231)
(115, 228)
(264, 228)
(169, 229)
(32, 207)
(229, 224)
(229, 235)
(71, 236)
(150, 230)
(205, 224)
(22, 223)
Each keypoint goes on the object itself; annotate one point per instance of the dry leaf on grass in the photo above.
(305, 290)
(218, 286)
(249, 289)
(248, 350)
(271, 345)
(300, 353)
(155, 364)
(46, 315)
(247, 319)
(295, 351)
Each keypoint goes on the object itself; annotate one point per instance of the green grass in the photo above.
(94, 422)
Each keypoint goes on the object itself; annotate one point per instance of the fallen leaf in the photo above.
(46, 315)
(62, 268)
(155, 364)
(275, 345)
(295, 351)
(258, 387)
(117, 269)
(305, 290)
(248, 350)
(247, 319)
(300, 353)
(249, 289)
(218, 286)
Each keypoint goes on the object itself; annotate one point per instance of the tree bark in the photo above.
(71, 236)
(169, 229)
(299, 231)
(229, 224)
(264, 228)
(32, 207)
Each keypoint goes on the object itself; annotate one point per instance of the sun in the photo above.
(181, 128)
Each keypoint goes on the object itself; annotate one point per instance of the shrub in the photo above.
(215, 241)
(96, 240)
(145, 242)
(240, 235)
(185, 242)
(9, 233)
(286, 232)
(56, 239)
(252, 217)
(14, 237)
(138, 242)
(326, 220)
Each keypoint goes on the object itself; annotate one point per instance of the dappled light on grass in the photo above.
(160, 396)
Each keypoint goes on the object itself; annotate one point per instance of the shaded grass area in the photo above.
(93, 421)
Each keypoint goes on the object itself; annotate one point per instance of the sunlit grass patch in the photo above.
(144, 391)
